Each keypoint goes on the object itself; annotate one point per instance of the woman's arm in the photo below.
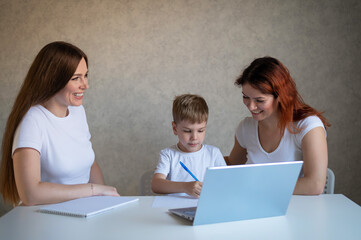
(237, 156)
(96, 175)
(33, 192)
(315, 159)
(161, 185)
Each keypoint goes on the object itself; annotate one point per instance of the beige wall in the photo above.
(143, 53)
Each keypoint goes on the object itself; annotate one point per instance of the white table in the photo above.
(308, 217)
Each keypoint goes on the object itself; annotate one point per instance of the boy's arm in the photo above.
(161, 185)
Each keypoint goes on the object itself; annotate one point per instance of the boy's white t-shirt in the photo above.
(196, 162)
(66, 153)
(289, 149)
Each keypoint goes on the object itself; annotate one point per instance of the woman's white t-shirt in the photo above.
(66, 153)
(289, 149)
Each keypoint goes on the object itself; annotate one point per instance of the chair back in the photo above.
(330, 182)
(145, 184)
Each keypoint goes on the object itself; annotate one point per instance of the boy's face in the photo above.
(190, 135)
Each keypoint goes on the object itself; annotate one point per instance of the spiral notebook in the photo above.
(87, 207)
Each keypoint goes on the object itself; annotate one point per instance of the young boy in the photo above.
(190, 115)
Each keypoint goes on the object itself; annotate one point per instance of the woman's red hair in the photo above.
(270, 76)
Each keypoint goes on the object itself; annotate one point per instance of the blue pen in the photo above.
(185, 168)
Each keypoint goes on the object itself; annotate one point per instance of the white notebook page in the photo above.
(86, 207)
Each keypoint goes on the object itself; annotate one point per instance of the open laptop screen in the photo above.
(248, 191)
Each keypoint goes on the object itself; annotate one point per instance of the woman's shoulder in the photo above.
(313, 121)
(246, 130)
(35, 112)
(247, 122)
(307, 124)
(37, 117)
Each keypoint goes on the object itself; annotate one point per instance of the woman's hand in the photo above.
(103, 190)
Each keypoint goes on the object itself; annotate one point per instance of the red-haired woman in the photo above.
(282, 126)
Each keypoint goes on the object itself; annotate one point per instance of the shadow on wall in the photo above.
(4, 208)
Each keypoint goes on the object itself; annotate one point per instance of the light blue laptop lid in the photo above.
(249, 191)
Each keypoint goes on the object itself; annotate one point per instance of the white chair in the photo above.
(330, 182)
(145, 184)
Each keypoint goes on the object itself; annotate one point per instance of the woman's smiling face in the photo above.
(259, 104)
(72, 93)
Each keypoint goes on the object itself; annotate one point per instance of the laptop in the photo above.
(242, 192)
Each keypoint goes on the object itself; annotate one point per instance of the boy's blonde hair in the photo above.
(191, 108)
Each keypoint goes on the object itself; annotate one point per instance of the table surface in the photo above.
(329, 216)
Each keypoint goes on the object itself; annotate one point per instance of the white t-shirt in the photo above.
(289, 149)
(196, 162)
(66, 153)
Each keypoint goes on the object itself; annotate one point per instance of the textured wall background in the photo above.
(143, 53)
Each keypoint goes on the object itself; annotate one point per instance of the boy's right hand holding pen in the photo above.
(161, 185)
(193, 188)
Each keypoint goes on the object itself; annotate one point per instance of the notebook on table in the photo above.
(241, 192)
(87, 207)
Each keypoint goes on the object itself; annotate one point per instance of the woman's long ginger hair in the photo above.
(270, 76)
(51, 70)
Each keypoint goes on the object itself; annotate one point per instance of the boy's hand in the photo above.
(193, 188)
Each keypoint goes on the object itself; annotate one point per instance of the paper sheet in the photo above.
(174, 202)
